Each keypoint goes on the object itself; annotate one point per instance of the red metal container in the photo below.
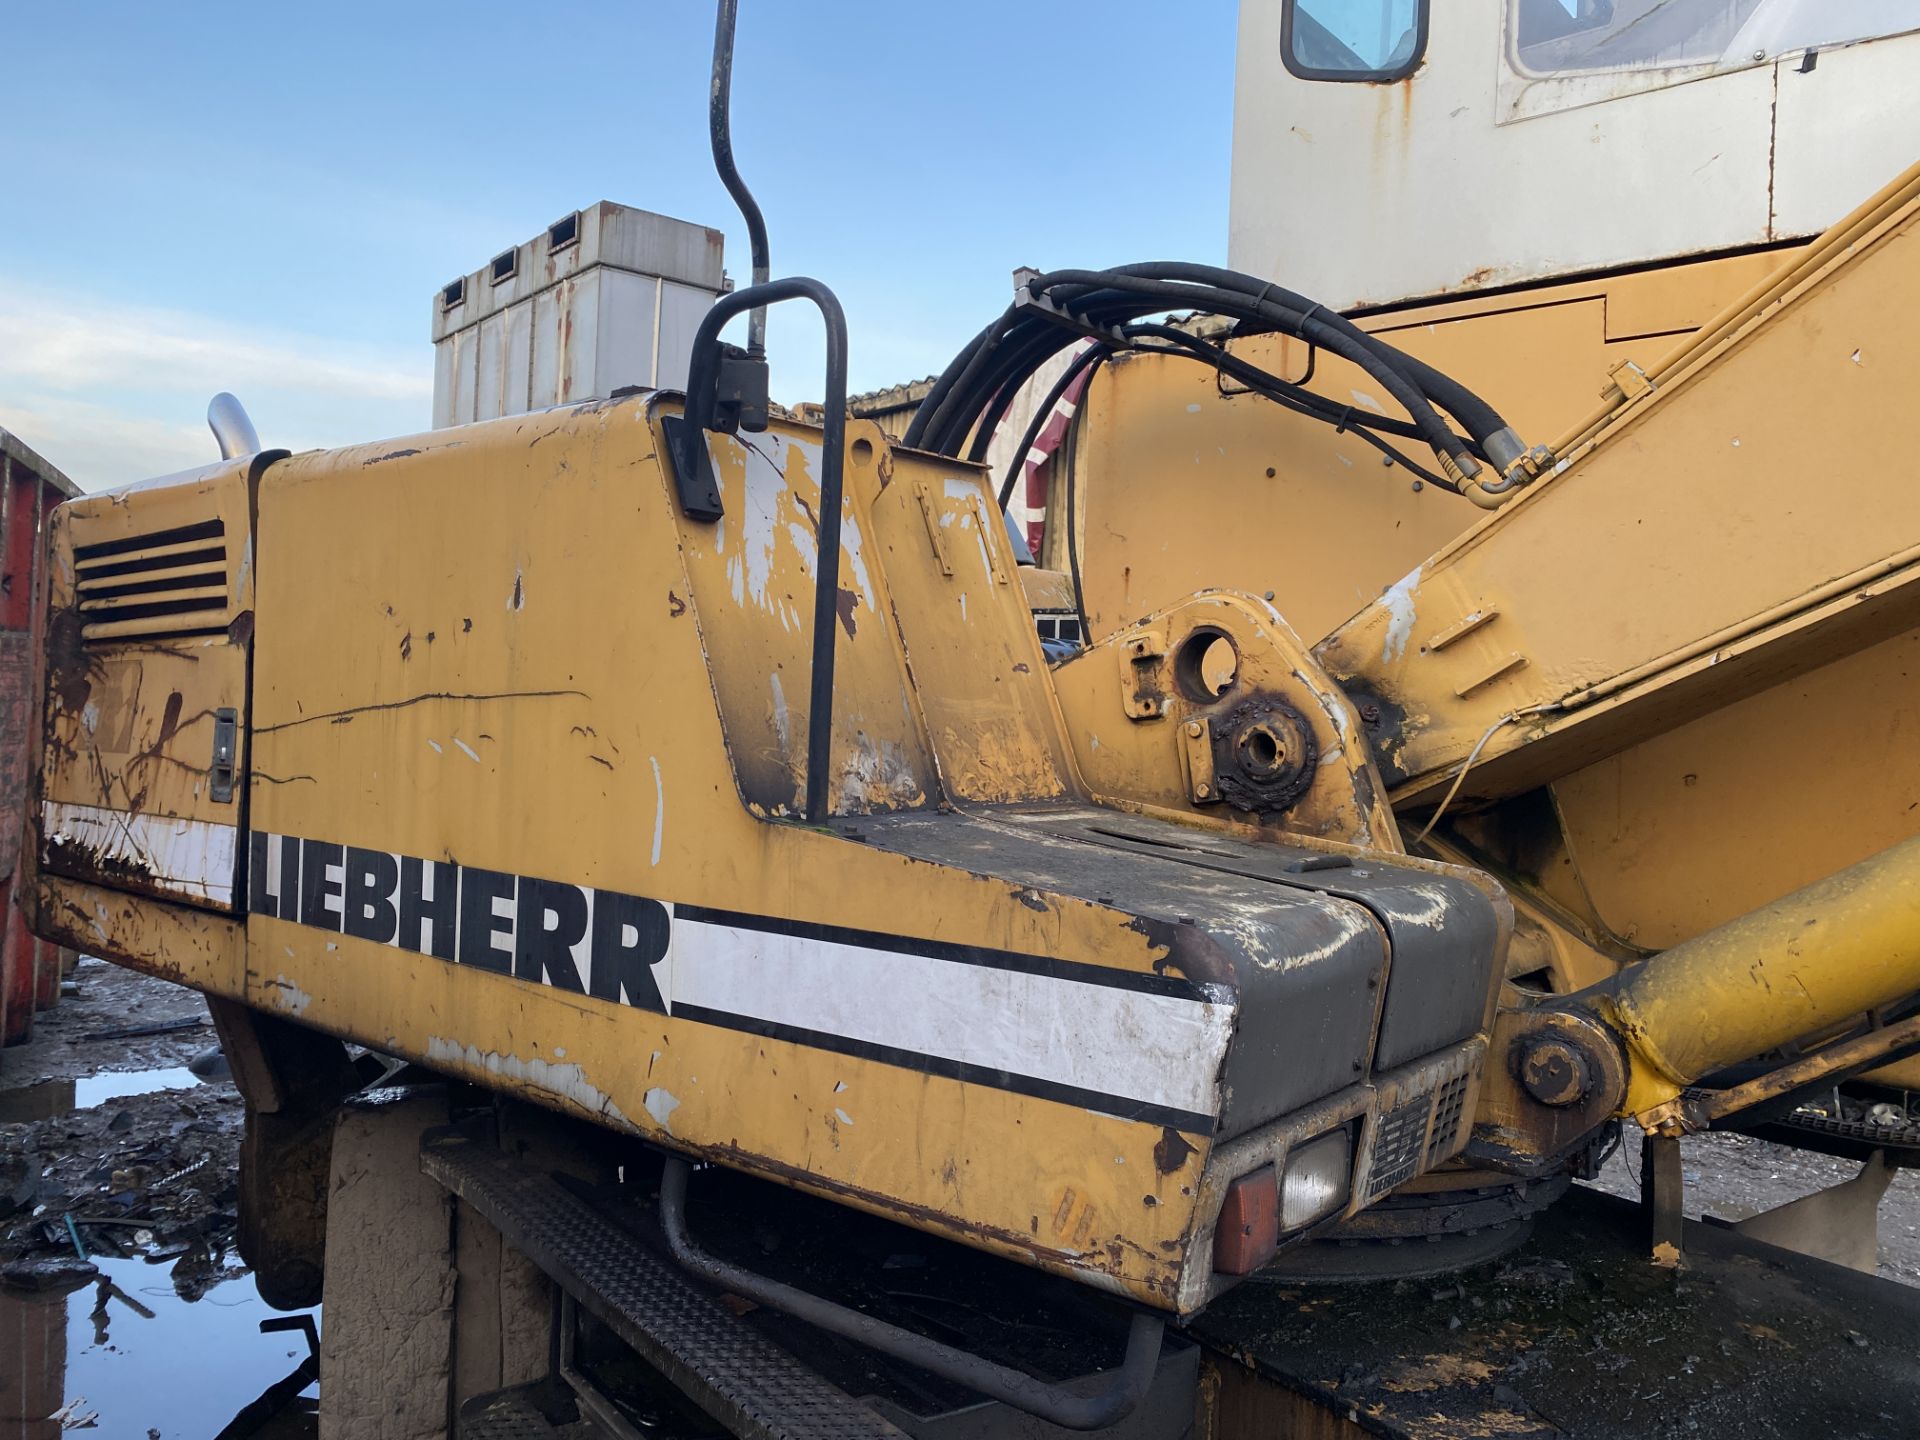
(30, 487)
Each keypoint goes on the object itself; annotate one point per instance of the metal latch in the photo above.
(226, 744)
(1141, 697)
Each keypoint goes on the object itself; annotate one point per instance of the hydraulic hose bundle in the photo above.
(1115, 307)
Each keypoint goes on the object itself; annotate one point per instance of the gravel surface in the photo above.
(1736, 1176)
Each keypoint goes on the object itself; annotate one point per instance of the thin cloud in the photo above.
(83, 344)
(98, 447)
(113, 394)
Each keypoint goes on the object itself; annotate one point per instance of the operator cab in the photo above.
(1456, 148)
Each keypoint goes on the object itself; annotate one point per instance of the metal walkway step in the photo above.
(742, 1380)
(504, 1415)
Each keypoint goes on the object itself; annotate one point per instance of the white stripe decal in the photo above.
(193, 858)
(1144, 1046)
(1159, 1050)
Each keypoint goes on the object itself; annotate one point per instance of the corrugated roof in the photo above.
(893, 397)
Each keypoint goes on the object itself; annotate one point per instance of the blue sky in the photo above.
(265, 198)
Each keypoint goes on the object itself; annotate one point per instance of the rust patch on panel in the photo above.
(1170, 1155)
(70, 669)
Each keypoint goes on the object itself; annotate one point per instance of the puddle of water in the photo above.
(63, 1097)
(118, 1085)
(182, 1371)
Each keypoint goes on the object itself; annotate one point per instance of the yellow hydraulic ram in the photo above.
(1812, 960)
(1812, 966)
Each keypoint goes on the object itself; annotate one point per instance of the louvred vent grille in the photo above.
(167, 584)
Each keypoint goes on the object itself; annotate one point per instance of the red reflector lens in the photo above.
(1249, 1230)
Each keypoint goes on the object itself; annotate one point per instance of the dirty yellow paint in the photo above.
(1185, 482)
(1130, 699)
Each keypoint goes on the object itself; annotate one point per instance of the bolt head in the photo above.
(1555, 1072)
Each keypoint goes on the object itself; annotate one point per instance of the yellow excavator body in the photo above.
(473, 750)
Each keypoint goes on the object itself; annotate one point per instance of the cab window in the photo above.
(1561, 37)
(1373, 40)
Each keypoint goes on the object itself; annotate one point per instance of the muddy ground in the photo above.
(87, 1167)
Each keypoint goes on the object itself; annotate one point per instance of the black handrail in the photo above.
(720, 132)
(1076, 1409)
(702, 380)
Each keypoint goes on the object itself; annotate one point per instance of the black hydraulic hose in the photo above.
(720, 129)
(943, 386)
(704, 374)
(1023, 357)
(1290, 398)
(1282, 392)
(1030, 338)
(1097, 285)
(975, 390)
(1479, 418)
(1017, 364)
(1078, 366)
(970, 363)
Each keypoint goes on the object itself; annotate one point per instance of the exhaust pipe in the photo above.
(227, 418)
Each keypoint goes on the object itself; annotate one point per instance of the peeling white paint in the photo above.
(850, 556)
(750, 557)
(842, 1116)
(1399, 603)
(838, 1086)
(179, 857)
(872, 764)
(661, 1105)
(436, 747)
(1360, 397)
(1193, 409)
(569, 1082)
(659, 808)
(468, 751)
(782, 721)
(286, 996)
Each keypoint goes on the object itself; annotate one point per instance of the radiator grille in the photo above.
(1449, 1112)
(166, 584)
(1399, 1142)
(1417, 1134)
